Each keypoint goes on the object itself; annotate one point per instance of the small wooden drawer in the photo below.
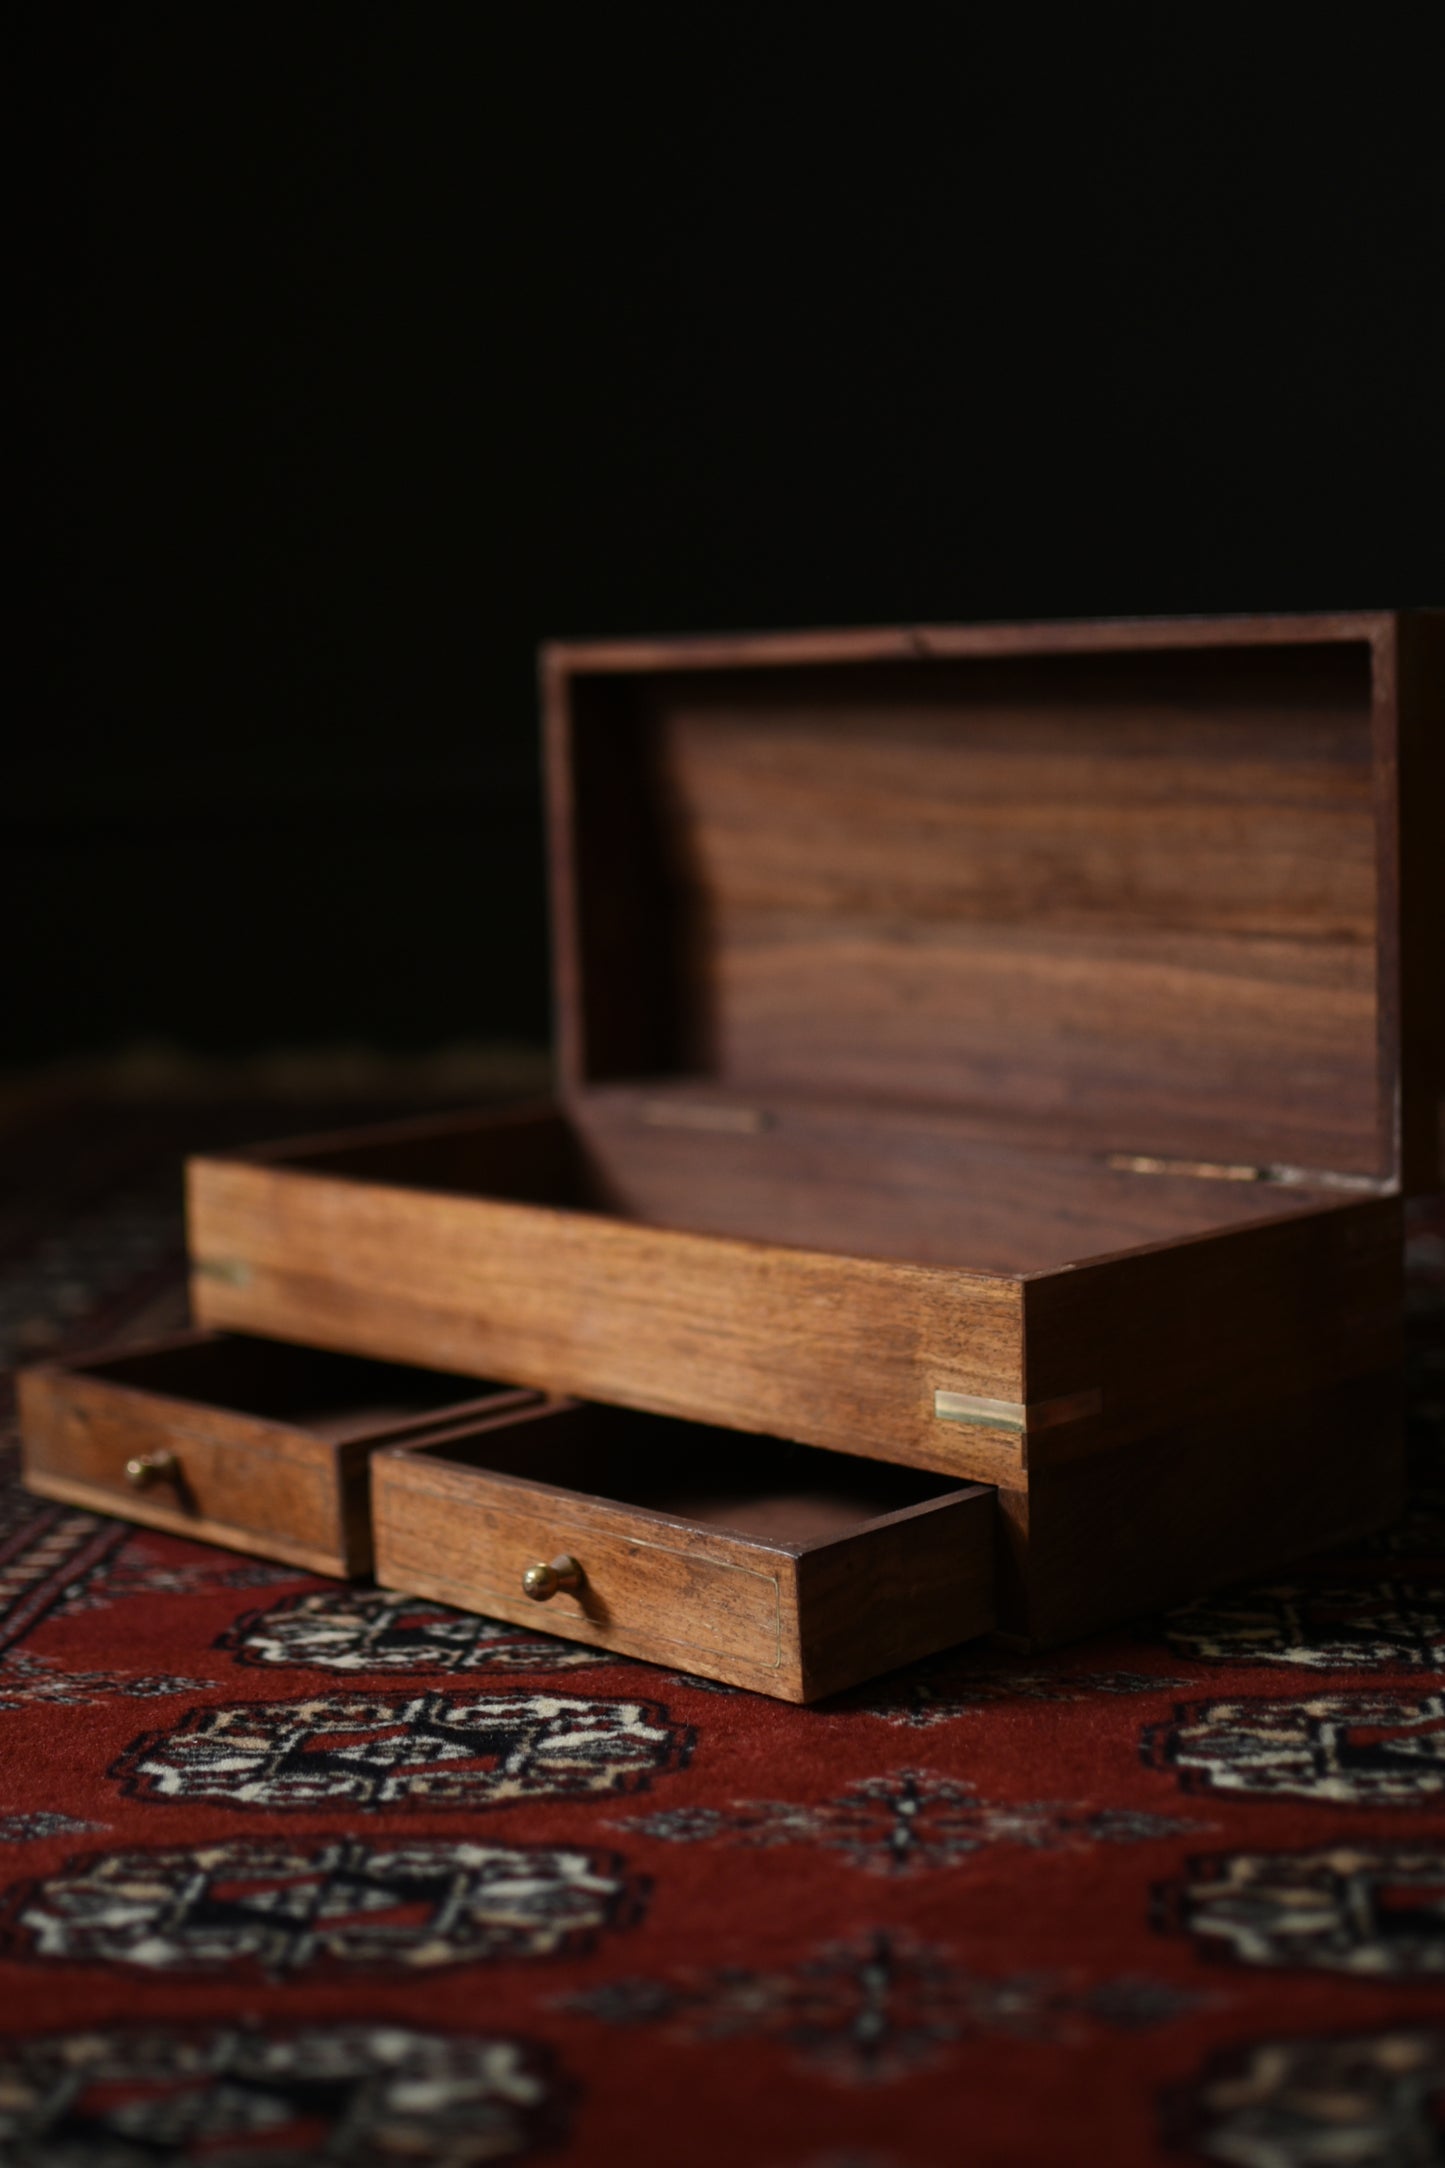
(779, 1567)
(246, 1442)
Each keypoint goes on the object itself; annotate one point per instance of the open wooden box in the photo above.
(997, 1050)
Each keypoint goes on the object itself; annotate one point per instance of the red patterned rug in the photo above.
(295, 1872)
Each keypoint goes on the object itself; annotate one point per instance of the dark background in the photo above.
(364, 347)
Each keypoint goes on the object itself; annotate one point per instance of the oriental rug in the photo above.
(293, 1871)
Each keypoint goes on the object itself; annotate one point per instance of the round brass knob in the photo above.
(541, 1582)
(148, 1468)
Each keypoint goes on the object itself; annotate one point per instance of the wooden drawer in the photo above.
(246, 1442)
(779, 1567)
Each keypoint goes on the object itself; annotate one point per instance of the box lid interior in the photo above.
(1131, 887)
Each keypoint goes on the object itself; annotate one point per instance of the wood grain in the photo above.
(1216, 1325)
(1137, 890)
(883, 1182)
(833, 1351)
(903, 1185)
(1201, 1502)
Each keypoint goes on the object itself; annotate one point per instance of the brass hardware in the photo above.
(1198, 1170)
(542, 1582)
(986, 1414)
(1015, 1415)
(148, 1468)
(691, 1114)
(230, 1271)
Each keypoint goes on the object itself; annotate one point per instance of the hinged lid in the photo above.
(1139, 885)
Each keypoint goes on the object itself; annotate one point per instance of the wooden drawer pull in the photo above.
(149, 1468)
(542, 1582)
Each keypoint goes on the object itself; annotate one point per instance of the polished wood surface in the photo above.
(1204, 1499)
(771, 1566)
(1249, 1413)
(830, 1350)
(1141, 880)
(1216, 1324)
(887, 1183)
(858, 1181)
(255, 1445)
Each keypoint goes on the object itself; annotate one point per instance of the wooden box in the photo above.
(999, 1051)
(256, 1444)
(774, 1566)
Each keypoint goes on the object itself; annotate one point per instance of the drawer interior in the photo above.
(335, 1398)
(765, 1489)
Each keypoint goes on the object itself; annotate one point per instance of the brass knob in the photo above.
(148, 1468)
(541, 1582)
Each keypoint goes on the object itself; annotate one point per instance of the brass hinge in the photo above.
(694, 1114)
(1207, 1170)
(1217, 1170)
(1017, 1415)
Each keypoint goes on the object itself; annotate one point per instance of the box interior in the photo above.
(993, 962)
(856, 1182)
(1132, 895)
(764, 1488)
(334, 1397)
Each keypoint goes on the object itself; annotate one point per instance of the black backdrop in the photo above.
(363, 347)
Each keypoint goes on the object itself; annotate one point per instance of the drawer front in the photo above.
(786, 1579)
(230, 1482)
(687, 1600)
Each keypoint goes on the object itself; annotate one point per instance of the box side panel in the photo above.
(1208, 1502)
(830, 1351)
(1250, 1413)
(1213, 1326)
(805, 647)
(892, 1594)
